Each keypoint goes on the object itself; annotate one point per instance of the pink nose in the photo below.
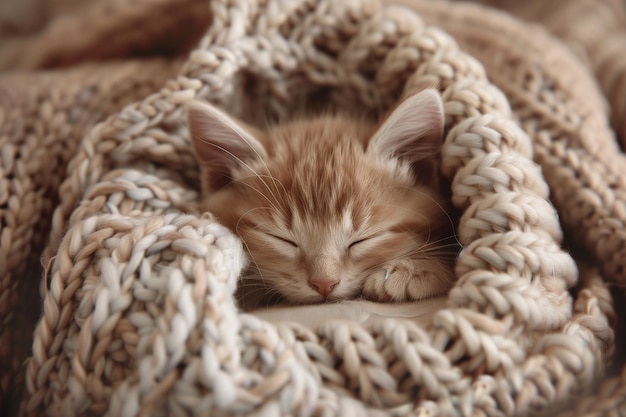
(323, 286)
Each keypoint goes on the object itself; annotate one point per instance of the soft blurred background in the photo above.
(21, 17)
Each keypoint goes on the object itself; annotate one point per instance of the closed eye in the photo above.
(356, 242)
(290, 242)
(365, 239)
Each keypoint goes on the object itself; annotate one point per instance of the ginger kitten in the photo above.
(331, 207)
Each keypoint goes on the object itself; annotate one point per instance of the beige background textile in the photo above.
(94, 161)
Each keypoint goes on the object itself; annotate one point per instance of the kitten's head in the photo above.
(324, 204)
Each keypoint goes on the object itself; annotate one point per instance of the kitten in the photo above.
(331, 207)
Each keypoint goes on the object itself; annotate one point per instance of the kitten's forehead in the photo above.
(323, 173)
(319, 176)
(324, 227)
(347, 217)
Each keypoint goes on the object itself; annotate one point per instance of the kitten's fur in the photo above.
(331, 207)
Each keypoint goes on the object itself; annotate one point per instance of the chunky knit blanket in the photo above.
(113, 302)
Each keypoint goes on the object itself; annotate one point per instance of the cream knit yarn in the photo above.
(138, 314)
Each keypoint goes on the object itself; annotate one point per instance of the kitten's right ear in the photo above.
(221, 143)
(413, 132)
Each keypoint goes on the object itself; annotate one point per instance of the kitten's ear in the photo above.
(413, 131)
(221, 143)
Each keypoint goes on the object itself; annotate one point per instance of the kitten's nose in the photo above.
(323, 286)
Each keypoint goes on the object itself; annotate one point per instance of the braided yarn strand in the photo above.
(573, 143)
(43, 119)
(596, 33)
(581, 167)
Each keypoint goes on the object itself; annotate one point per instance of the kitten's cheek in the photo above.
(345, 291)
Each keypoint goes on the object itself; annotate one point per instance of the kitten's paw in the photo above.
(408, 280)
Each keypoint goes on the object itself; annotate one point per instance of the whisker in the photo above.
(443, 210)
(271, 203)
(434, 250)
(438, 244)
(417, 254)
(243, 163)
(248, 212)
(266, 168)
(252, 259)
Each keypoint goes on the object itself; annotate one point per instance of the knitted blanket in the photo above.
(137, 309)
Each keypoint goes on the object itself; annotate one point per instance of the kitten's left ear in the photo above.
(222, 144)
(413, 131)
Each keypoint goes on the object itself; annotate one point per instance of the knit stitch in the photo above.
(138, 309)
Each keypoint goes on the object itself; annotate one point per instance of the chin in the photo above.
(306, 299)
(318, 299)
(301, 299)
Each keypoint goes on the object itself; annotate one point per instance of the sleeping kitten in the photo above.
(331, 207)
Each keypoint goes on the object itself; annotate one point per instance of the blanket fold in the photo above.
(138, 313)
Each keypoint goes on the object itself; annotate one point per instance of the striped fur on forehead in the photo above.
(323, 165)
